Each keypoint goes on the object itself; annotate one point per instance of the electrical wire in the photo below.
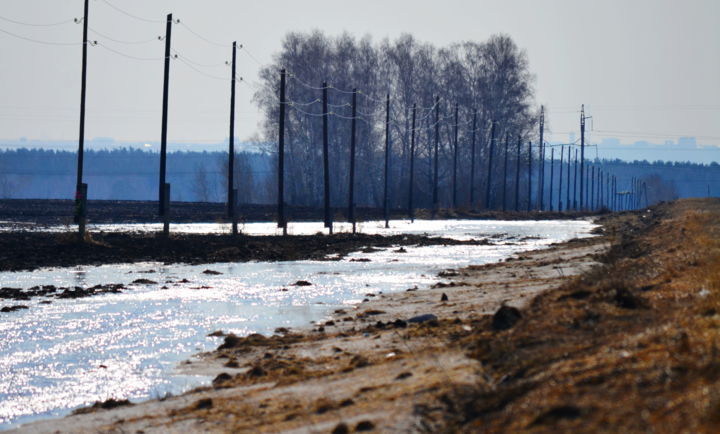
(244, 49)
(147, 20)
(129, 56)
(198, 64)
(22, 23)
(307, 85)
(199, 36)
(38, 41)
(121, 41)
(199, 71)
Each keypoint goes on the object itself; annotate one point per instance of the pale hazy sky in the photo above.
(646, 70)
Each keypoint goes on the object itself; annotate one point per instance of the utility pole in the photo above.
(435, 160)
(351, 188)
(163, 136)
(529, 203)
(615, 198)
(568, 204)
(80, 188)
(326, 157)
(505, 168)
(386, 203)
(455, 155)
(575, 182)
(562, 154)
(472, 161)
(552, 172)
(411, 213)
(517, 174)
(281, 156)
(231, 142)
(582, 156)
(541, 166)
(488, 185)
(592, 190)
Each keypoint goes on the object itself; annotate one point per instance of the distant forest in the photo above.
(132, 174)
(463, 117)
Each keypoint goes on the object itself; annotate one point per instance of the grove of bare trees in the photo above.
(490, 79)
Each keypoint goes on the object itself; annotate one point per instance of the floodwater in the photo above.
(73, 352)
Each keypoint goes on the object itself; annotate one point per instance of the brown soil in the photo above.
(31, 250)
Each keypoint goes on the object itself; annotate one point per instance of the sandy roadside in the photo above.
(367, 368)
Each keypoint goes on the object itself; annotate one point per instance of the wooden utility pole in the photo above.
(163, 135)
(505, 168)
(282, 223)
(582, 157)
(326, 158)
(488, 184)
(455, 157)
(435, 159)
(231, 142)
(562, 154)
(411, 186)
(386, 198)
(552, 172)
(80, 192)
(351, 187)
(472, 160)
(529, 202)
(591, 205)
(575, 181)
(568, 204)
(541, 165)
(517, 174)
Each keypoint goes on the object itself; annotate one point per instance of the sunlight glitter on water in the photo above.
(70, 353)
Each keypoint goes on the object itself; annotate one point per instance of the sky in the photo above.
(645, 69)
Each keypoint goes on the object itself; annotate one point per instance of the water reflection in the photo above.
(59, 356)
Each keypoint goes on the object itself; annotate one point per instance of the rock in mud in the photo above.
(212, 272)
(628, 300)
(144, 282)
(303, 283)
(341, 428)
(365, 425)
(505, 318)
(220, 379)
(423, 318)
(13, 308)
(444, 297)
(203, 404)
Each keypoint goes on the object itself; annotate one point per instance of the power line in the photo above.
(190, 65)
(38, 41)
(250, 55)
(198, 64)
(199, 36)
(22, 23)
(129, 56)
(119, 41)
(139, 18)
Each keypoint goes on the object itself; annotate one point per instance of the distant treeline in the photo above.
(132, 174)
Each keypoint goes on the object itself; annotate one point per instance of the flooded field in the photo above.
(69, 353)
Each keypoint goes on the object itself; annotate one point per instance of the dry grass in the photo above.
(630, 346)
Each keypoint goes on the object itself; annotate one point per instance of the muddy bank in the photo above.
(18, 213)
(31, 250)
(377, 366)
